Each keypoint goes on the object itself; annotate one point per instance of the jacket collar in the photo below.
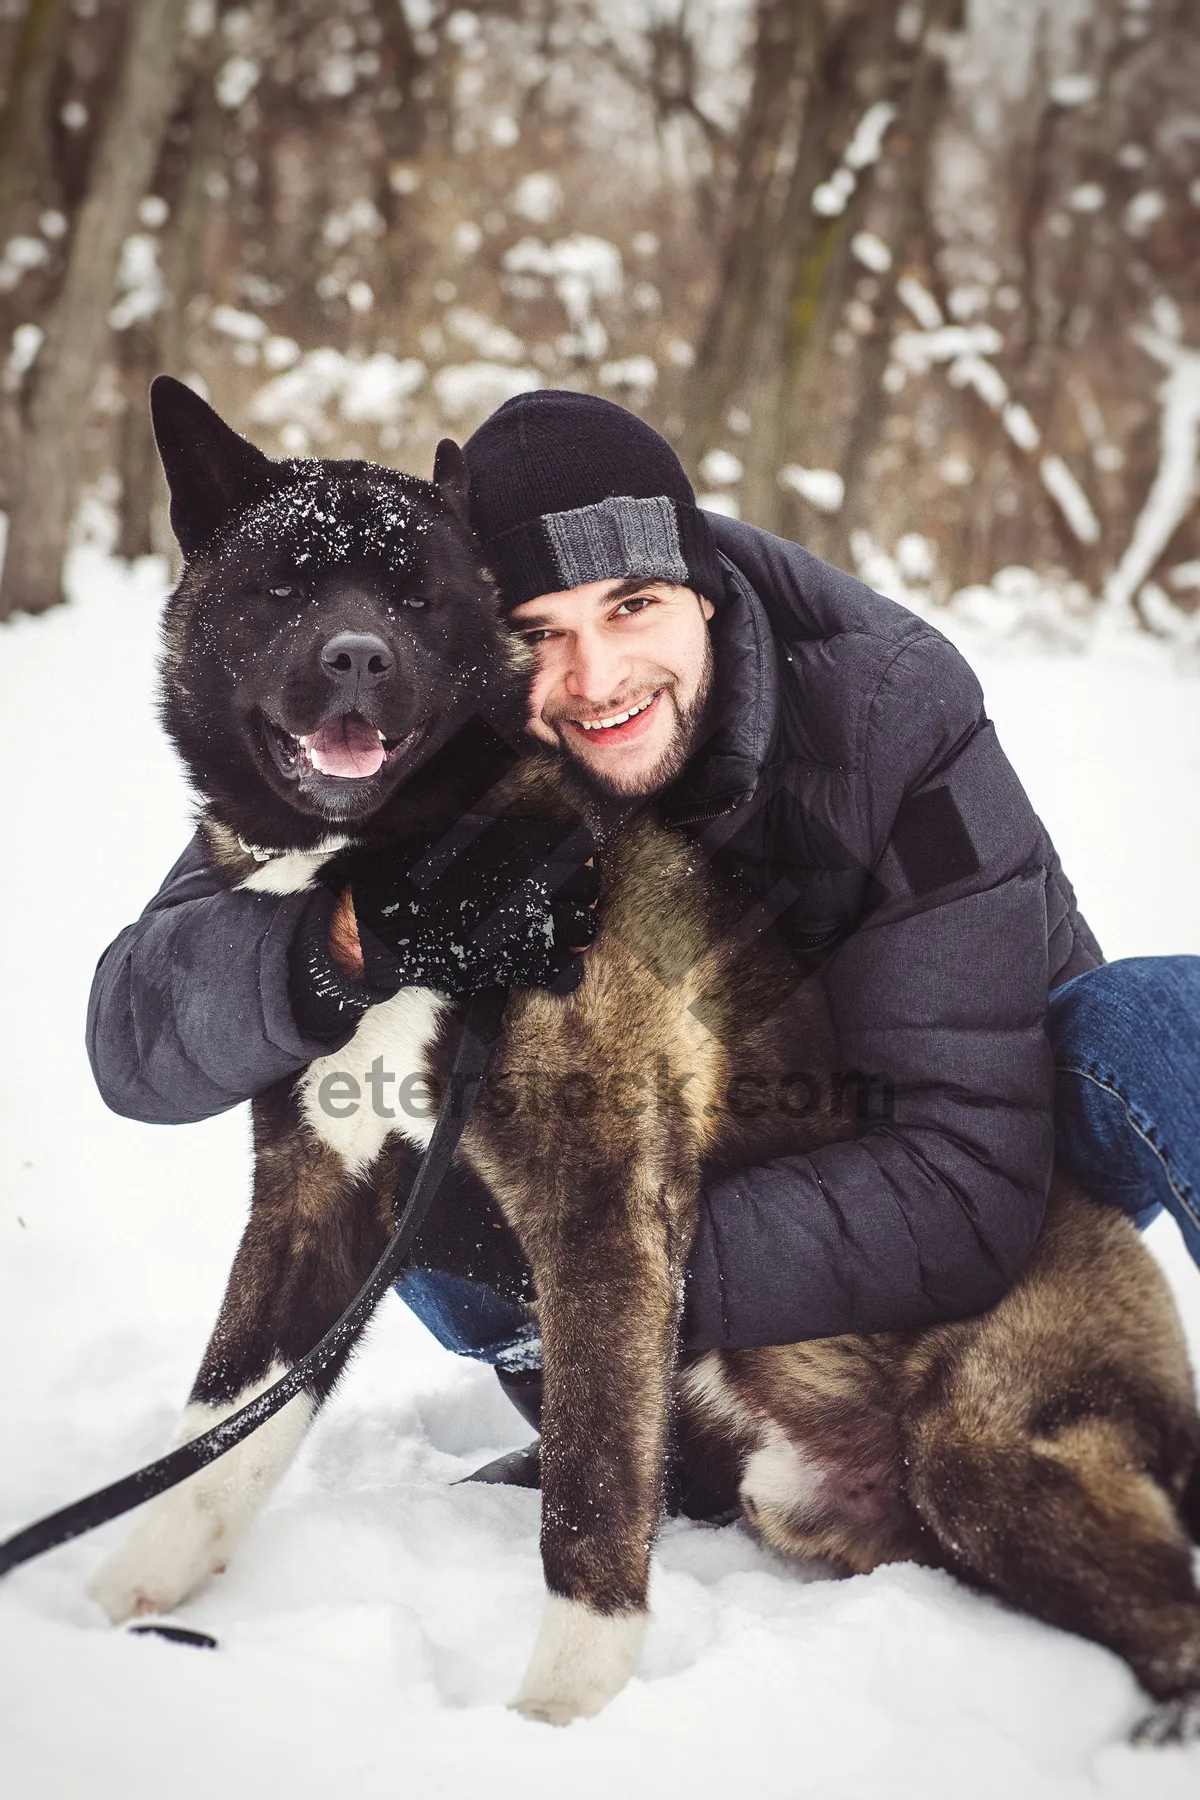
(744, 710)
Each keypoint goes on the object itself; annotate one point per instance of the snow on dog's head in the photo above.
(333, 630)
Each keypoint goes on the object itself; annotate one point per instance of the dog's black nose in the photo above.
(356, 661)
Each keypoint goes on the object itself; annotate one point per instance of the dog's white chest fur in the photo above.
(386, 1062)
(382, 1089)
(289, 871)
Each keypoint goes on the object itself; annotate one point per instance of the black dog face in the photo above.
(332, 631)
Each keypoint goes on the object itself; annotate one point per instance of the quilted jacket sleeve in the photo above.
(930, 1213)
(189, 1012)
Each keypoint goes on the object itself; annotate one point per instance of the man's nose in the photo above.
(356, 661)
(597, 668)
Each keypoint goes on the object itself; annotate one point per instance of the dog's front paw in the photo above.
(189, 1533)
(580, 1661)
(169, 1552)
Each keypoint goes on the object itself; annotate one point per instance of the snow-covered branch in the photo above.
(1174, 485)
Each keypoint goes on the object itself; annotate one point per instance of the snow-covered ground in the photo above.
(378, 1617)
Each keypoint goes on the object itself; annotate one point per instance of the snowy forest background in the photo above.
(914, 283)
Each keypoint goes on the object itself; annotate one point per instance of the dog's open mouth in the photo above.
(348, 748)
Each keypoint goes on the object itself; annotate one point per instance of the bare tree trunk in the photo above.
(821, 72)
(189, 159)
(24, 138)
(47, 484)
(24, 159)
(849, 70)
(782, 58)
(137, 456)
(833, 400)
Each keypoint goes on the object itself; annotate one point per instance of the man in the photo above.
(830, 755)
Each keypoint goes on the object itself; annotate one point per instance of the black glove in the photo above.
(496, 902)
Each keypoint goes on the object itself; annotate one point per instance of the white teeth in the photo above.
(617, 718)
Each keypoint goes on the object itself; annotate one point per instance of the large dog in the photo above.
(1046, 1451)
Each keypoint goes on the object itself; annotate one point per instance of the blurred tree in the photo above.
(25, 120)
(152, 337)
(45, 486)
(919, 272)
(846, 98)
(949, 232)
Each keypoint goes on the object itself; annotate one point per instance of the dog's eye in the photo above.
(286, 591)
(413, 601)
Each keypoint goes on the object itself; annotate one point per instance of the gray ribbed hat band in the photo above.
(616, 540)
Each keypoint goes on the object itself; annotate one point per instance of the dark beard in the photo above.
(689, 731)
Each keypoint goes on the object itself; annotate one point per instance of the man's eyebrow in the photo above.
(634, 584)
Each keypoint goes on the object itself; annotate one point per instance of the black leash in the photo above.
(480, 1029)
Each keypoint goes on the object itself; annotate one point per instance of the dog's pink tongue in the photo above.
(345, 746)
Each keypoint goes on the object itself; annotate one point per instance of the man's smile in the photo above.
(619, 727)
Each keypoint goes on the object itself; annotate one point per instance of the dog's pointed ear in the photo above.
(210, 470)
(452, 479)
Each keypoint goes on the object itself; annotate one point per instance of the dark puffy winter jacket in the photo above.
(855, 787)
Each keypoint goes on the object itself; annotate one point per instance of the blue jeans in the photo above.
(1126, 1043)
(471, 1319)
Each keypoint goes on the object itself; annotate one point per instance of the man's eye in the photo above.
(533, 638)
(635, 603)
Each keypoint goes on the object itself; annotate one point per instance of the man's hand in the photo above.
(344, 946)
(498, 902)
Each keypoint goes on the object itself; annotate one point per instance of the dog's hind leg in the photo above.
(1053, 1445)
(311, 1240)
(1072, 1527)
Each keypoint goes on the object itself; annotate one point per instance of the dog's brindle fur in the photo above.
(1046, 1451)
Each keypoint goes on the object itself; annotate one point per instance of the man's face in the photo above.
(614, 648)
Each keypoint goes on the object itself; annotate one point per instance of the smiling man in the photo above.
(829, 756)
(643, 645)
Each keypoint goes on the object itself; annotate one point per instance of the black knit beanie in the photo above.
(567, 488)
